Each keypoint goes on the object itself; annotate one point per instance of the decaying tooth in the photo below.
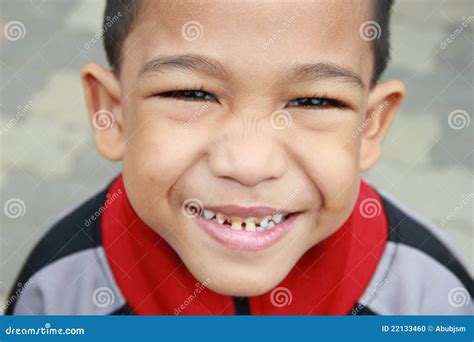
(237, 225)
(208, 214)
(250, 226)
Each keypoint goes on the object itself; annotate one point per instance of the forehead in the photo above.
(259, 36)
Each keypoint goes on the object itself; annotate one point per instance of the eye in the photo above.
(189, 95)
(316, 103)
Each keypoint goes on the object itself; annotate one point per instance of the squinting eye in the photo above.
(316, 102)
(189, 95)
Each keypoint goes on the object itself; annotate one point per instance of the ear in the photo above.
(103, 101)
(384, 100)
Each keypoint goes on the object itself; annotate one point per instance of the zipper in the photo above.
(241, 305)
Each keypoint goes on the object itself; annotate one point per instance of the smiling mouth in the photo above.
(245, 229)
(247, 224)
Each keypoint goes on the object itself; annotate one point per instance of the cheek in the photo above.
(331, 162)
(158, 153)
(153, 151)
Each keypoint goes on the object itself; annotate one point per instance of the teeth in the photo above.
(277, 218)
(208, 214)
(264, 223)
(220, 218)
(237, 225)
(250, 226)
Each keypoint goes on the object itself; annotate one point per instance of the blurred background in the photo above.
(48, 163)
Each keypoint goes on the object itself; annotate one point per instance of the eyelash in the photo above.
(316, 101)
(181, 94)
(319, 101)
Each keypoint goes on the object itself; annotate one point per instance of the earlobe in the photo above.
(384, 100)
(103, 102)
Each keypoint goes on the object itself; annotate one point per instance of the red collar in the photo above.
(328, 279)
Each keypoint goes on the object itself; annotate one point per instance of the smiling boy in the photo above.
(243, 129)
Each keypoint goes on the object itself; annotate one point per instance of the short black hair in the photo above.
(114, 35)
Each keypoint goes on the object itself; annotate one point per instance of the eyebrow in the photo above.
(321, 71)
(210, 66)
(186, 62)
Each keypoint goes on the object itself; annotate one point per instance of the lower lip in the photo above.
(245, 241)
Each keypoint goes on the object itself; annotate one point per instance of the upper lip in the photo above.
(239, 211)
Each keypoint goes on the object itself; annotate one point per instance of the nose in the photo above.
(247, 155)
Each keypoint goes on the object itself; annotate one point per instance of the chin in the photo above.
(241, 279)
(239, 287)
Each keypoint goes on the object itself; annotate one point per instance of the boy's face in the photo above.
(276, 95)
